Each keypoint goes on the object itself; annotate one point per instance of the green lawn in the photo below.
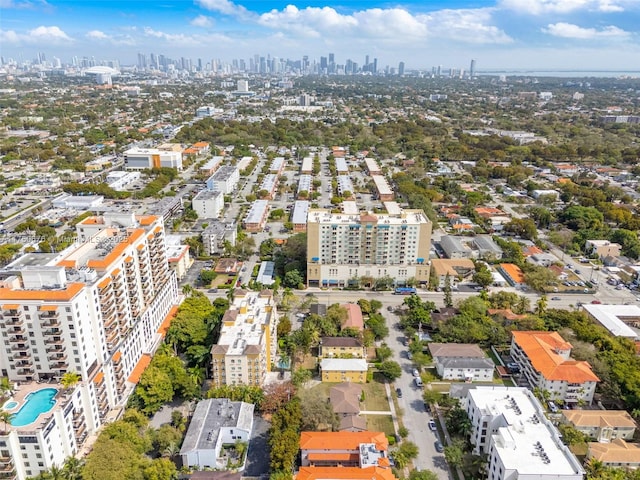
(375, 397)
(441, 387)
(380, 423)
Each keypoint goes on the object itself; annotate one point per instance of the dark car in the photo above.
(399, 392)
(439, 447)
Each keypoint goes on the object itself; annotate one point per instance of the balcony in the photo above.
(59, 357)
(60, 365)
(18, 338)
(19, 347)
(49, 314)
(57, 348)
(25, 371)
(53, 341)
(53, 323)
(25, 362)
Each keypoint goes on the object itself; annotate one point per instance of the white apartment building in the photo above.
(143, 158)
(225, 179)
(96, 309)
(545, 361)
(119, 180)
(248, 340)
(343, 249)
(509, 425)
(215, 236)
(208, 204)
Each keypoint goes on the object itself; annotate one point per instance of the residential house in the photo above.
(512, 274)
(602, 248)
(353, 423)
(341, 347)
(354, 317)
(601, 425)
(453, 247)
(487, 249)
(345, 399)
(455, 268)
(618, 453)
(544, 359)
(343, 370)
(461, 361)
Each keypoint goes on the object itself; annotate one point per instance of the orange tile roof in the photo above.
(67, 263)
(63, 295)
(128, 259)
(541, 348)
(345, 473)
(513, 271)
(532, 250)
(335, 457)
(98, 378)
(48, 308)
(10, 306)
(116, 252)
(167, 321)
(115, 272)
(91, 221)
(201, 144)
(104, 282)
(341, 440)
(146, 219)
(117, 356)
(140, 367)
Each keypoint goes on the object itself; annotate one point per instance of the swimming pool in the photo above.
(34, 404)
(10, 405)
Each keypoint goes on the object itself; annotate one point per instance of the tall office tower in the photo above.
(366, 62)
(305, 64)
(142, 61)
(348, 67)
(162, 61)
(323, 64)
(332, 63)
(343, 247)
(248, 340)
(42, 57)
(472, 69)
(401, 69)
(100, 309)
(439, 70)
(153, 60)
(199, 65)
(242, 65)
(375, 65)
(256, 63)
(263, 66)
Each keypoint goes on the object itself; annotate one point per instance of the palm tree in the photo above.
(171, 451)
(72, 469)
(70, 380)
(187, 289)
(5, 386)
(5, 417)
(541, 305)
(231, 295)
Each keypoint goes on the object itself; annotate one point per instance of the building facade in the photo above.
(208, 204)
(224, 180)
(509, 425)
(97, 309)
(545, 360)
(144, 158)
(248, 341)
(359, 248)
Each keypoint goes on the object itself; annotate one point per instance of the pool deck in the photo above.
(21, 393)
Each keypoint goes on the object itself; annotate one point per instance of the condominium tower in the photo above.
(97, 309)
(344, 249)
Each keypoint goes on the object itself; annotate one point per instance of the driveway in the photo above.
(258, 453)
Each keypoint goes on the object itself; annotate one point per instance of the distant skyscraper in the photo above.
(142, 60)
(243, 86)
(401, 68)
(472, 69)
(375, 65)
(323, 64)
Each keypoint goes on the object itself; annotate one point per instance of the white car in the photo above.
(415, 372)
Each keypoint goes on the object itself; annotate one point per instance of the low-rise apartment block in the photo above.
(257, 215)
(208, 204)
(509, 425)
(545, 360)
(601, 425)
(224, 180)
(144, 158)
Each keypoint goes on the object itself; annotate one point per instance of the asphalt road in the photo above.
(414, 415)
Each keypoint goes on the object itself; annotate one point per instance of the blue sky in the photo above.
(510, 34)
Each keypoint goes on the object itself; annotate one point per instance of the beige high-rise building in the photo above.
(248, 340)
(344, 249)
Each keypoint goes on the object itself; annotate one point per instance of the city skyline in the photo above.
(536, 34)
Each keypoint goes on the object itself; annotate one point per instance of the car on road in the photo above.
(415, 372)
(556, 298)
(405, 342)
(419, 383)
(432, 425)
(399, 392)
(409, 356)
(438, 446)
(596, 302)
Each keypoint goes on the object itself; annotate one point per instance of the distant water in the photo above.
(563, 73)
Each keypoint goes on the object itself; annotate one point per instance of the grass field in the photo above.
(380, 423)
(375, 396)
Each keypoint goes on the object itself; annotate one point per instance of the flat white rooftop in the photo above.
(612, 317)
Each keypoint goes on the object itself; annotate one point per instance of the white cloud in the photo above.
(390, 25)
(569, 30)
(471, 26)
(226, 7)
(97, 35)
(41, 35)
(539, 7)
(182, 40)
(202, 21)
(24, 4)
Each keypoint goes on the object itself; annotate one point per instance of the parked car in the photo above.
(432, 425)
(596, 302)
(419, 382)
(399, 392)
(556, 298)
(438, 446)
(415, 372)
